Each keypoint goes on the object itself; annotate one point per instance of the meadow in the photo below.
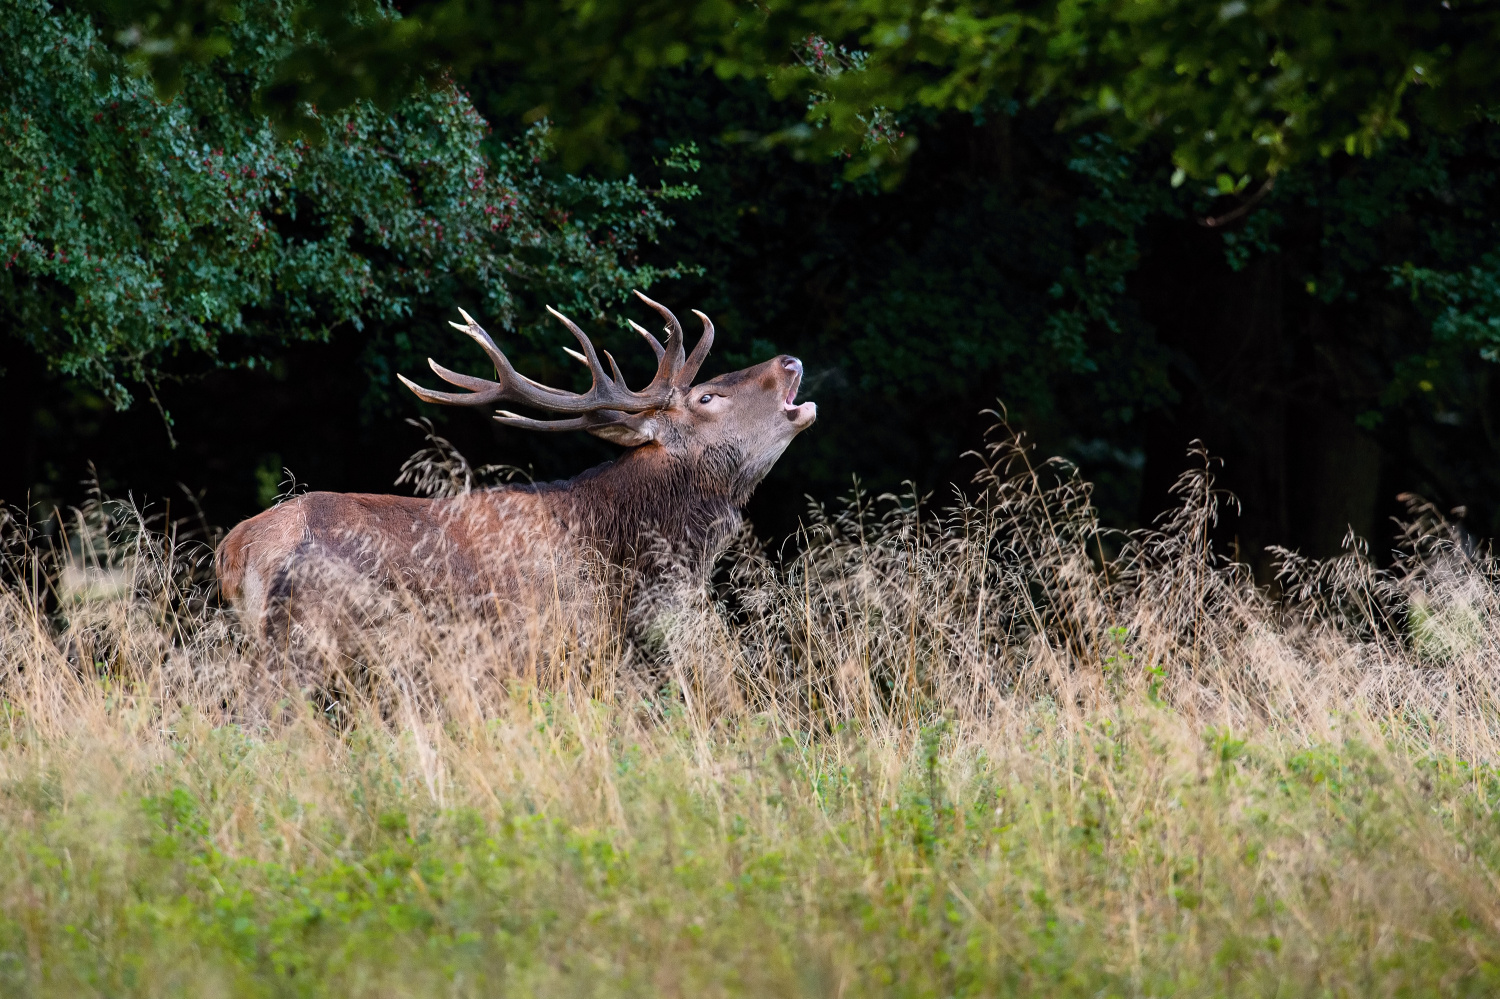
(962, 746)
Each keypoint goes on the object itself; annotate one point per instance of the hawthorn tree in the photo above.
(144, 232)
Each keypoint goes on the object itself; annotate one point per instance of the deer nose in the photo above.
(792, 364)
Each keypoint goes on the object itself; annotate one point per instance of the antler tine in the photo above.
(656, 347)
(674, 328)
(589, 357)
(481, 398)
(520, 422)
(614, 369)
(695, 360)
(668, 365)
(479, 336)
(503, 367)
(587, 421)
(481, 385)
(483, 391)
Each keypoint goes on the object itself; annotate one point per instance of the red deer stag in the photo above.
(695, 453)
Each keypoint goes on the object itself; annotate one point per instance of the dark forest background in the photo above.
(1331, 342)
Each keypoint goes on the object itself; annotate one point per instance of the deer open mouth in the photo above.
(795, 367)
(804, 413)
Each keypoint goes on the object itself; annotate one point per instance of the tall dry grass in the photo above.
(990, 748)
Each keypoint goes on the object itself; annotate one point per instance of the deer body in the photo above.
(695, 454)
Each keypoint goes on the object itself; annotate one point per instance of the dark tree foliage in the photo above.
(1332, 343)
(1234, 89)
(136, 230)
(1332, 335)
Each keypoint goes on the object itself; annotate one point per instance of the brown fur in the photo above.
(679, 495)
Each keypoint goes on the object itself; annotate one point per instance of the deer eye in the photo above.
(705, 399)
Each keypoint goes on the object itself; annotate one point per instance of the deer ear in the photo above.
(632, 431)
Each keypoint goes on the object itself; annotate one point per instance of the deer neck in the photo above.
(648, 501)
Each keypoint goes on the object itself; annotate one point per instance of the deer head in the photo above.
(735, 425)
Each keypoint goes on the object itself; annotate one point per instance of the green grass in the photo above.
(932, 756)
(561, 849)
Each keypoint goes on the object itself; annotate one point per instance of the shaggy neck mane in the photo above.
(647, 497)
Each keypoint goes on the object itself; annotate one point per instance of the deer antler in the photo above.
(608, 393)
